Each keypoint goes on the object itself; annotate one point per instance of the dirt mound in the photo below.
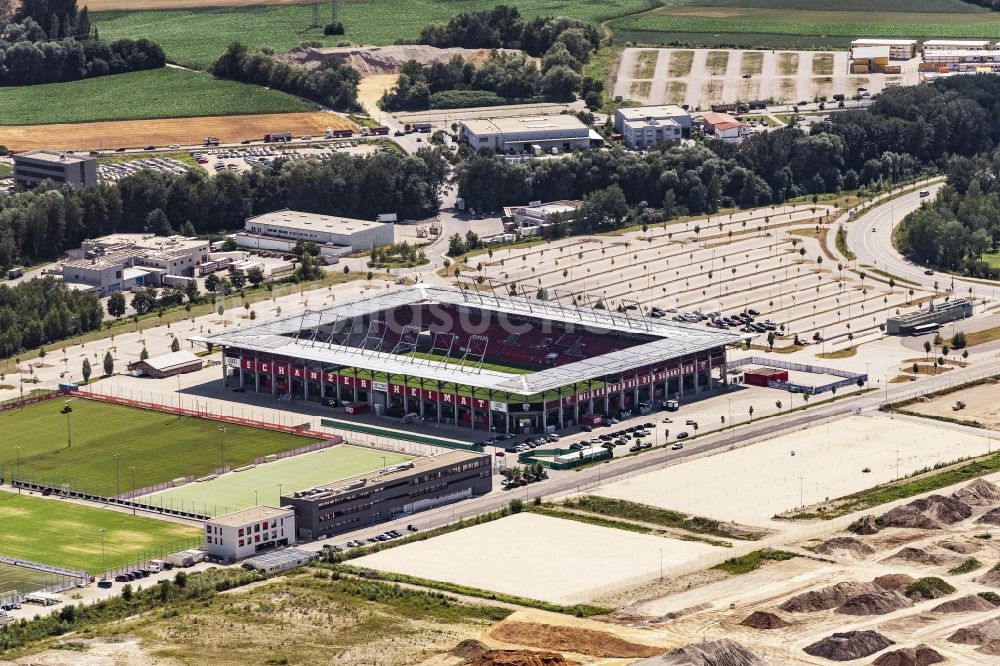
(966, 604)
(979, 493)
(991, 517)
(827, 597)
(914, 656)
(764, 620)
(920, 556)
(978, 634)
(723, 652)
(469, 649)
(928, 513)
(373, 60)
(991, 577)
(571, 639)
(848, 645)
(898, 582)
(845, 545)
(518, 658)
(960, 546)
(992, 648)
(874, 603)
(865, 525)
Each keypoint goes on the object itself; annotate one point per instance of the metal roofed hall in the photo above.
(672, 339)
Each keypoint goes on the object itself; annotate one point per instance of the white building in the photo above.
(643, 126)
(956, 45)
(241, 534)
(282, 229)
(528, 220)
(564, 132)
(899, 49)
(723, 126)
(962, 61)
(35, 166)
(120, 262)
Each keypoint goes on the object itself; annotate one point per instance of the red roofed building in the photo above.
(724, 126)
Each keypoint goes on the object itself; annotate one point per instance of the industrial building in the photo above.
(529, 220)
(36, 166)
(529, 134)
(120, 262)
(167, 365)
(369, 499)
(440, 353)
(955, 45)
(926, 321)
(643, 126)
(899, 49)
(283, 229)
(724, 127)
(950, 61)
(872, 60)
(240, 534)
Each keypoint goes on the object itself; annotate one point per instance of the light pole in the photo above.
(18, 468)
(118, 480)
(802, 501)
(280, 485)
(69, 428)
(255, 502)
(132, 469)
(222, 446)
(104, 568)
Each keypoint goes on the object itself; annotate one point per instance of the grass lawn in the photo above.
(469, 362)
(157, 93)
(239, 490)
(68, 535)
(197, 37)
(802, 24)
(159, 446)
(24, 579)
(992, 258)
(645, 64)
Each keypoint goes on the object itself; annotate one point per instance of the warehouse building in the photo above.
(240, 534)
(369, 499)
(36, 166)
(643, 126)
(947, 61)
(872, 60)
(529, 134)
(167, 365)
(955, 45)
(283, 229)
(899, 49)
(926, 321)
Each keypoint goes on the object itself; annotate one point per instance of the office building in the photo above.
(36, 166)
(643, 126)
(240, 534)
(529, 220)
(926, 321)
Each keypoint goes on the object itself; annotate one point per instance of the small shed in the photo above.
(761, 376)
(167, 365)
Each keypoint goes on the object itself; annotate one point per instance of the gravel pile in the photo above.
(845, 545)
(978, 634)
(928, 513)
(960, 546)
(764, 620)
(898, 582)
(914, 656)
(848, 645)
(979, 493)
(827, 597)
(991, 517)
(723, 652)
(874, 603)
(921, 556)
(967, 604)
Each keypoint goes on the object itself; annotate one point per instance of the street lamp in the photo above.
(118, 480)
(132, 469)
(104, 568)
(69, 430)
(222, 445)
(18, 468)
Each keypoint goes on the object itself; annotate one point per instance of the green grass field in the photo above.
(196, 37)
(157, 93)
(23, 579)
(239, 490)
(497, 367)
(68, 535)
(159, 446)
(803, 24)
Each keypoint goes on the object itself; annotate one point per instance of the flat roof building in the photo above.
(36, 166)
(962, 61)
(240, 534)
(643, 126)
(899, 49)
(167, 365)
(924, 321)
(282, 229)
(956, 44)
(529, 220)
(368, 499)
(563, 132)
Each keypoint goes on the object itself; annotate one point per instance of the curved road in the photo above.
(870, 238)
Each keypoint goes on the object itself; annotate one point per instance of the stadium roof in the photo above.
(671, 339)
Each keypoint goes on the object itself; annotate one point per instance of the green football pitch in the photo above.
(62, 534)
(25, 579)
(240, 490)
(40, 444)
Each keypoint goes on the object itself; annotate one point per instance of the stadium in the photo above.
(476, 359)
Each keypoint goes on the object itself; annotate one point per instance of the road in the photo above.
(870, 238)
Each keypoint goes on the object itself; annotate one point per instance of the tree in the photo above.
(927, 348)
(116, 305)
(750, 409)
(958, 340)
(109, 364)
(144, 354)
(175, 346)
(212, 282)
(86, 370)
(255, 276)
(456, 246)
(770, 340)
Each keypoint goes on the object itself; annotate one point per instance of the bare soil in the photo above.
(978, 634)
(725, 652)
(849, 645)
(827, 598)
(844, 545)
(898, 582)
(519, 658)
(874, 603)
(764, 620)
(928, 513)
(375, 60)
(914, 656)
(967, 604)
(570, 639)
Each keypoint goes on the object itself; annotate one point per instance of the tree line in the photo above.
(331, 83)
(907, 132)
(38, 312)
(962, 223)
(40, 224)
(56, 18)
(988, 4)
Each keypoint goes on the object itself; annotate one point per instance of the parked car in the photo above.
(104, 583)
(682, 435)
(678, 446)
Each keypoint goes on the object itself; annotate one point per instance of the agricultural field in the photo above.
(241, 490)
(196, 37)
(159, 93)
(67, 535)
(800, 24)
(152, 447)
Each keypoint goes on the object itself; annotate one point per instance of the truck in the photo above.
(274, 137)
(758, 104)
(210, 141)
(417, 127)
(381, 130)
(339, 133)
(14, 273)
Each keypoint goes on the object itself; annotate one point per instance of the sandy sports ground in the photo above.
(185, 131)
(751, 484)
(982, 403)
(562, 561)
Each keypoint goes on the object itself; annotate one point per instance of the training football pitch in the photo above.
(260, 485)
(24, 579)
(56, 532)
(116, 448)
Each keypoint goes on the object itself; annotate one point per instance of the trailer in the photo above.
(381, 130)
(338, 133)
(276, 137)
(417, 127)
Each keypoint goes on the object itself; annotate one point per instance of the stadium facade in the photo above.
(477, 359)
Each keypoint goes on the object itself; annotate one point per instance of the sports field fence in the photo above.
(61, 579)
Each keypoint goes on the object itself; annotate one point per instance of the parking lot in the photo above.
(243, 159)
(114, 171)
